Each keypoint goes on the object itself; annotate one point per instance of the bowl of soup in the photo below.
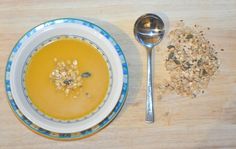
(66, 76)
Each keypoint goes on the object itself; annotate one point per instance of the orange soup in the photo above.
(83, 99)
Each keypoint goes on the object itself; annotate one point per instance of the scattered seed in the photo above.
(75, 62)
(171, 55)
(86, 75)
(177, 62)
(189, 36)
(170, 46)
(67, 82)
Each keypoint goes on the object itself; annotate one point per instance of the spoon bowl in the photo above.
(149, 30)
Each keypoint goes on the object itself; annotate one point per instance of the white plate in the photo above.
(51, 29)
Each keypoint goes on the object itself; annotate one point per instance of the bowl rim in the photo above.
(49, 41)
(84, 133)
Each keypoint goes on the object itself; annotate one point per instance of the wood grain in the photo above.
(208, 121)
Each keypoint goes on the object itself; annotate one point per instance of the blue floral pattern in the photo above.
(67, 136)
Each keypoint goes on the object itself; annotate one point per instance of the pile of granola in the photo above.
(191, 62)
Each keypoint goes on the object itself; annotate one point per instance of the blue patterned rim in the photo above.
(76, 135)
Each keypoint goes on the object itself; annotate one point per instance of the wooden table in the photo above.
(208, 121)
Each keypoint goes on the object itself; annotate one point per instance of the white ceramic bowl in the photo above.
(56, 28)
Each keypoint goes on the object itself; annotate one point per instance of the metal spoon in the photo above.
(149, 31)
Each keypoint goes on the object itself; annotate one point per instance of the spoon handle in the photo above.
(149, 104)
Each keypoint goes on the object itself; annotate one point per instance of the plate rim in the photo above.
(89, 131)
(43, 33)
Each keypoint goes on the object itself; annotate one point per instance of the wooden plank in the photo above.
(208, 121)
